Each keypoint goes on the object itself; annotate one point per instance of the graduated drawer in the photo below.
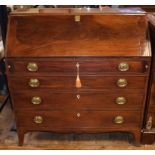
(69, 65)
(78, 119)
(39, 100)
(69, 82)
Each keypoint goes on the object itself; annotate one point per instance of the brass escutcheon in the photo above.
(118, 119)
(34, 83)
(32, 67)
(122, 83)
(123, 66)
(36, 100)
(120, 100)
(38, 119)
(77, 18)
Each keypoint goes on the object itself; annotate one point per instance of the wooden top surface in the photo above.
(55, 32)
(70, 11)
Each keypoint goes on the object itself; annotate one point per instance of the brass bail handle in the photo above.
(78, 81)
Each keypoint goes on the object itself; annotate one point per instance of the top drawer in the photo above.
(69, 65)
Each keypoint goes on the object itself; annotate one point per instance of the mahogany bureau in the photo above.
(78, 70)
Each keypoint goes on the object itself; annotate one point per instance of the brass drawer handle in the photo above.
(123, 67)
(122, 83)
(120, 100)
(38, 119)
(34, 83)
(36, 100)
(32, 67)
(118, 120)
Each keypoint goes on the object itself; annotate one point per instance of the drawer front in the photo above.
(68, 65)
(59, 101)
(35, 66)
(69, 82)
(112, 65)
(79, 119)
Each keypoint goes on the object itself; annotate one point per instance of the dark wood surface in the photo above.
(87, 100)
(95, 35)
(88, 65)
(106, 40)
(69, 82)
(148, 137)
(69, 120)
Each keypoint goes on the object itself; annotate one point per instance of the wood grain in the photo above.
(86, 101)
(98, 65)
(68, 82)
(98, 43)
(68, 120)
(94, 35)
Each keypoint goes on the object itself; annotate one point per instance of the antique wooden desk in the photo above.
(78, 70)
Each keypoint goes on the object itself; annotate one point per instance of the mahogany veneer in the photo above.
(72, 70)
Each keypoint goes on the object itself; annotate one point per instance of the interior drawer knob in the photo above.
(123, 66)
(122, 83)
(36, 100)
(34, 83)
(32, 67)
(38, 119)
(119, 120)
(120, 100)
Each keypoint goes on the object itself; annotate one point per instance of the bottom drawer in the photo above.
(78, 119)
